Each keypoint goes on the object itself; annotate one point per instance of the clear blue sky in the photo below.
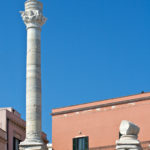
(91, 50)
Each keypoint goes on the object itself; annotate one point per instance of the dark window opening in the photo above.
(120, 135)
(81, 143)
(16, 143)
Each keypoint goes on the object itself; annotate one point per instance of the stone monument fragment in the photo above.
(129, 134)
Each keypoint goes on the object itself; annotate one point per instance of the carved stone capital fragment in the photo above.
(33, 18)
(128, 139)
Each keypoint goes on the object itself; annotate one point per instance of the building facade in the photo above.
(95, 125)
(12, 129)
(3, 140)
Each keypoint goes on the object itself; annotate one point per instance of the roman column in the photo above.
(33, 19)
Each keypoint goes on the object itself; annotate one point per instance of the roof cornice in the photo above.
(101, 105)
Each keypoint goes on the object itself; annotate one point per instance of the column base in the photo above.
(31, 145)
(130, 147)
(128, 142)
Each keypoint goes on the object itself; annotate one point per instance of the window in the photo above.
(16, 143)
(81, 143)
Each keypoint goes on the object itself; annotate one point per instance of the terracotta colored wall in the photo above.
(13, 126)
(3, 119)
(3, 140)
(100, 124)
(2, 145)
(14, 131)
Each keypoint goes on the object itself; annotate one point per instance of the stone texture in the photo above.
(128, 140)
(128, 128)
(33, 19)
(49, 146)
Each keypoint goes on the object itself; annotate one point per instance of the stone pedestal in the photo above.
(33, 19)
(128, 140)
(31, 146)
(49, 146)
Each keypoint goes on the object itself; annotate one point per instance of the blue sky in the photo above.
(91, 50)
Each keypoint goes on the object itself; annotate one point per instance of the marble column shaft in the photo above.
(33, 84)
(33, 19)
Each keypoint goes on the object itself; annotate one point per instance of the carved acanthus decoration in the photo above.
(33, 17)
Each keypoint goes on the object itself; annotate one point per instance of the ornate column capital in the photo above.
(33, 18)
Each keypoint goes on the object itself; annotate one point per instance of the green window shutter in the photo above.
(86, 143)
(75, 143)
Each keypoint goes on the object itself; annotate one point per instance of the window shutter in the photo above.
(86, 143)
(75, 143)
(14, 141)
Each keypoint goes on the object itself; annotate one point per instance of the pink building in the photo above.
(95, 125)
(12, 129)
(3, 140)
